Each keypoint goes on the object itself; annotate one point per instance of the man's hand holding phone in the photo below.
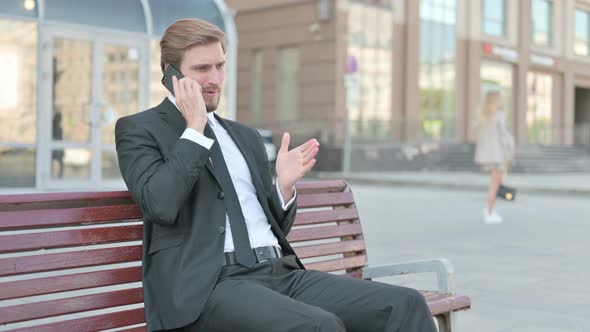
(189, 99)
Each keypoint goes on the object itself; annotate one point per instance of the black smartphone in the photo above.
(167, 78)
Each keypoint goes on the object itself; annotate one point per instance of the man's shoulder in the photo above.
(147, 116)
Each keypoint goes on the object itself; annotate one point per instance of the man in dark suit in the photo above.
(216, 257)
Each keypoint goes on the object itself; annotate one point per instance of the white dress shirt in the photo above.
(259, 231)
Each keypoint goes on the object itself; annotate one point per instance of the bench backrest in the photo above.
(72, 261)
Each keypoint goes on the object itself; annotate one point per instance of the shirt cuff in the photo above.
(193, 135)
(288, 205)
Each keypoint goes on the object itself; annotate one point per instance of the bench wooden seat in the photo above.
(72, 261)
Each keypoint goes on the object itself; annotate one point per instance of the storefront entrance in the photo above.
(88, 80)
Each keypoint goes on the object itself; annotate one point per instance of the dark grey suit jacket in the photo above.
(172, 181)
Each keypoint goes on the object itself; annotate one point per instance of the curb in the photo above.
(452, 185)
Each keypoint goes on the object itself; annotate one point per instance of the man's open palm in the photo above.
(293, 164)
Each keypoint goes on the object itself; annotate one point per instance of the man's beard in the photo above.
(211, 107)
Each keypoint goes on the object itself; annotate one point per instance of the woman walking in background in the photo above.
(495, 149)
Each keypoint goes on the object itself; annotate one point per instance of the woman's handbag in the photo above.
(507, 193)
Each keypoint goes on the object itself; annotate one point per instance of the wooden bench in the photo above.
(72, 261)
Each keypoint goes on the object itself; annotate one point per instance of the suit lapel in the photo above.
(171, 115)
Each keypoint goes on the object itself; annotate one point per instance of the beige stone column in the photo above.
(398, 81)
(412, 70)
(524, 42)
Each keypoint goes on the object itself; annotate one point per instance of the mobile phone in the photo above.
(167, 78)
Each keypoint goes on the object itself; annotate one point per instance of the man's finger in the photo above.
(188, 87)
(303, 147)
(310, 155)
(308, 146)
(309, 165)
(181, 91)
(285, 142)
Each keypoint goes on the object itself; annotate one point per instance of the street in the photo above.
(530, 273)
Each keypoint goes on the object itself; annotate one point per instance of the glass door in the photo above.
(89, 82)
(539, 112)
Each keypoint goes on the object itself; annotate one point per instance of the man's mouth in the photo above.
(210, 92)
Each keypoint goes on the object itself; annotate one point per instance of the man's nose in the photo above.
(214, 77)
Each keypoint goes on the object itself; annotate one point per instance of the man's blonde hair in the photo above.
(184, 34)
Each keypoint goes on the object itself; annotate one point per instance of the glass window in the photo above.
(110, 165)
(22, 8)
(18, 166)
(370, 50)
(288, 85)
(115, 14)
(542, 21)
(437, 69)
(71, 90)
(18, 102)
(157, 90)
(119, 96)
(18, 87)
(71, 163)
(256, 87)
(498, 76)
(494, 17)
(165, 12)
(539, 108)
(582, 33)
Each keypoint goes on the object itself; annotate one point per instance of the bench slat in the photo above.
(338, 264)
(356, 274)
(433, 296)
(67, 260)
(69, 196)
(136, 329)
(323, 186)
(324, 232)
(37, 310)
(448, 303)
(92, 324)
(322, 200)
(70, 282)
(10, 220)
(308, 186)
(72, 237)
(318, 217)
(316, 250)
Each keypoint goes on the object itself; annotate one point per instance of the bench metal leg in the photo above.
(444, 322)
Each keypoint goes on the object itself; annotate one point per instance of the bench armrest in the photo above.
(441, 266)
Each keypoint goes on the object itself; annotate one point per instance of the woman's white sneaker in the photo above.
(491, 218)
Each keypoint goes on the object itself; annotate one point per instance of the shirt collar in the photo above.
(210, 115)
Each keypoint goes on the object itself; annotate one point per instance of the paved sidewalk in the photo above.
(570, 183)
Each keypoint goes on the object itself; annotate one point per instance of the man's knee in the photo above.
(324, 321)
(405, 300)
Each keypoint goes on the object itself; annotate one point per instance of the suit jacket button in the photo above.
(220, 195)
(221, 229)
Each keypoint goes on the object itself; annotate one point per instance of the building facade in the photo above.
(406, 71)
(70, 69)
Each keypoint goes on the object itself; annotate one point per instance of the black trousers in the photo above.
(277, 296)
